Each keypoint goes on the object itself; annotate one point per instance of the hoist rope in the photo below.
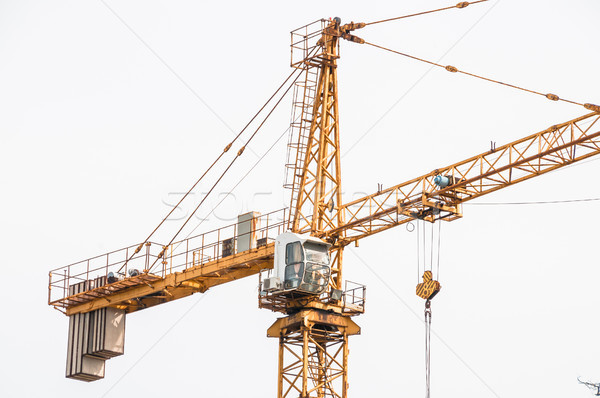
(438, 249)
(206, 171)
(427, 348)
(424, 247)
(238, 155)
(431, 250)
(434, 258)
(459, 5)
(418, 251)
(427, 268)
(450, 68)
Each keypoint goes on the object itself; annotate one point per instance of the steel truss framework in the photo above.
(517, 161)
(319, 195)
(313, 344)
(313, 354)
(421, 198)
(321, 175)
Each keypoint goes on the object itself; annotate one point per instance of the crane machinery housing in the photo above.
(297, 252)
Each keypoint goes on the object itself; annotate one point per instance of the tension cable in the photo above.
(225, 150)
(462, 4)
(238, 155)
(453, 69)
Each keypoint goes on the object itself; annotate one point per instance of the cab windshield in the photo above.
(316, 253)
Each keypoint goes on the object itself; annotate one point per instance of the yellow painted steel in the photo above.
(310, 318)
(420, 198)
(429, 287)
(317, 205)
(146, 293)
(315, 338)
(313, 354)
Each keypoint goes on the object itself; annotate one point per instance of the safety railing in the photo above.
(124, 267)
(304, 43)
(351, 301)
(354, 297)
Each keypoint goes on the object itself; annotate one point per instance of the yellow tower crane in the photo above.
(298, 252)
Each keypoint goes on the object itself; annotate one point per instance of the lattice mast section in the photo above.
(320, 181)
(313, 354)
(315, 202)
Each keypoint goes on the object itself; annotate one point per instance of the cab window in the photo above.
(293, 253)
(294, 269)
(316, 253)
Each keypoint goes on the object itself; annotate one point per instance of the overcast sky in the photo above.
(110, 109)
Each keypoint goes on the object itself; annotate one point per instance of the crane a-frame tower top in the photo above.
(314, 332)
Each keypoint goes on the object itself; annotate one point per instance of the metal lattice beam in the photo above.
(422, 198)
(313, 354)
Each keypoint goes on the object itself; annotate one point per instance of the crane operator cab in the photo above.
(301, 264)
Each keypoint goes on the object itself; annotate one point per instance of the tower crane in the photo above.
(297, 252)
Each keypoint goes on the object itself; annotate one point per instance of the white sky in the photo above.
(97, 135)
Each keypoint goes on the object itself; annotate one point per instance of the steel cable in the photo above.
(236, 185)
(424, 246)
(418, 252)
(438, 249)
(459, 5)
(225, 150)
(453, 69)
(239, 154)
(431, 250)
(533, 203)
(427, 348)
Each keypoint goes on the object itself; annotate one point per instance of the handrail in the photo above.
(181, 255)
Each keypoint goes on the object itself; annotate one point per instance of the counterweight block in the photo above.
(94, 337)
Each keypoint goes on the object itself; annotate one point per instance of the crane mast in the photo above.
(313, 338)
